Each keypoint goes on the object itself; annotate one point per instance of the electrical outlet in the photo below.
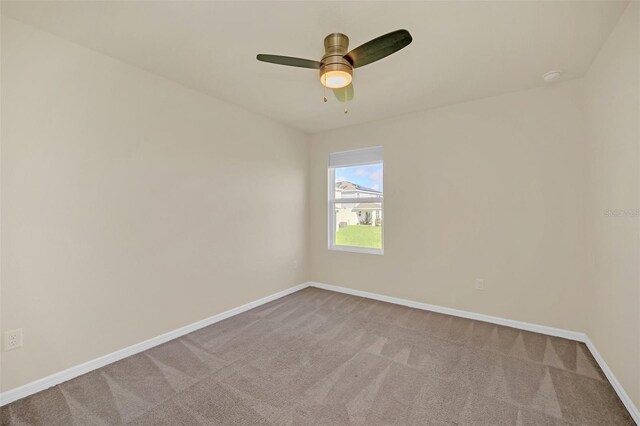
(12, 339)
(479, 284)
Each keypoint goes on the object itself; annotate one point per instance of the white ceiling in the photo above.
(461, 50)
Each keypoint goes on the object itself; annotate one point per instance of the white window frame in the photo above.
(359, 157)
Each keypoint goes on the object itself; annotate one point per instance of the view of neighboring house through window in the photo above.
(356, 200)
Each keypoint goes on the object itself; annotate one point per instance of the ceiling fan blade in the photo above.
(288, 60)
(378, 48)
(341, 92)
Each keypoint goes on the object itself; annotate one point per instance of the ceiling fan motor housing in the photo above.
(335, 46)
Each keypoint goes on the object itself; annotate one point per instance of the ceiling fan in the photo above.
(336, 66)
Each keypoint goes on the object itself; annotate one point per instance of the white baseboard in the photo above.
(70, 373)
(542, 329)
(624, 397)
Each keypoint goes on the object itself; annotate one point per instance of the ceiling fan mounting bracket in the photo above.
(336, 43)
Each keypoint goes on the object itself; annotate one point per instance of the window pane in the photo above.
(356, 205)
(359, 181)
(358, 225)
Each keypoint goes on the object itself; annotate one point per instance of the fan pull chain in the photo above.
(324, 88)
(346, 109)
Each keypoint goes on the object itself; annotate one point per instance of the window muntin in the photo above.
(356, 194)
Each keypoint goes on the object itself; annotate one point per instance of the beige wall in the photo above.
(612, 98)
(488, 189)
(131, 205)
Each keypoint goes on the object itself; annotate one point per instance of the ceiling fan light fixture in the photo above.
(336, 79)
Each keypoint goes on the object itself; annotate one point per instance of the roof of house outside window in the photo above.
(350, 186)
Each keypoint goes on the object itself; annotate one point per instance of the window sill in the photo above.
(363, 250)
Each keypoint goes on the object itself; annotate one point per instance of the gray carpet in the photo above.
(319, 357)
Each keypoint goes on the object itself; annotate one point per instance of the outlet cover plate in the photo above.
(12, 339)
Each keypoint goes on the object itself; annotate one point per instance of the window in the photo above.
(356, 201)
